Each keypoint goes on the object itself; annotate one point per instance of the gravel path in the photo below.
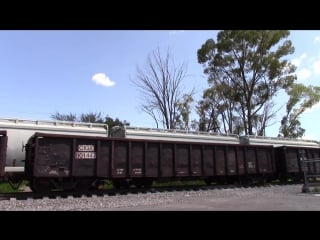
(274, 198)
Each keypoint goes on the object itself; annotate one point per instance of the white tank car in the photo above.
(172, 135)
(19, 131)
(278, 141)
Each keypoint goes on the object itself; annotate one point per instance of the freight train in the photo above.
(78, 160)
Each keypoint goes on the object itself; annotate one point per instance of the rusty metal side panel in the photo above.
(196, 159)
(220, 161)
(167, 160)
(84, 157)
(317, 156)
(103, 152)
(311, 165)
(182, 160)
(152, 159)
(119, 158)
(3, 151)
(53, 157)
(292, 160)
(251, 160)
(136, 159)
(241, 162)
(208, 157)
(231, 160)
(265, 160)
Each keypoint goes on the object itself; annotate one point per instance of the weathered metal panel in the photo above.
(182, 160)
(103, 163)
(152, 159)
(53, 157)
(311, 165)
(119, 159)
(241, 161)
(167, 160)
(208, 157)
(251, 160)
(292, 158)
(220, 161)
(231, 160)
(317, 163)
(84, 158)
(196, 159)
(264, 158)
(136, 159)
(3, 151)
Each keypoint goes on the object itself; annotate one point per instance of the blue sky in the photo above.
(89, 71)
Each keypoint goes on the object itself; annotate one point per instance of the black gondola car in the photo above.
(289, 161)
(80, 162)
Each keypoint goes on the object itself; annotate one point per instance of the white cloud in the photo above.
(303, 74)
(174, 32)
(102, 79)
(316, 40)
(316, 67)
(297, 61)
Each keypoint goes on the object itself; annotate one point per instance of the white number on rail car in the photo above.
(85, 148)
(85, 155)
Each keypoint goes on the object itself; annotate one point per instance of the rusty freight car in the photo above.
(289, 154)
(20, 130)
(290, 159)
(79, 162)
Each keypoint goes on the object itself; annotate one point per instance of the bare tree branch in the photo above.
(160, 83)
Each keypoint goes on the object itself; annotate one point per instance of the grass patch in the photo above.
(316, 189)
(108, 185)
(5, 187)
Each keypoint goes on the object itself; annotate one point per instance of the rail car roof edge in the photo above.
(278, 141)
(171, 134)
(14, 123)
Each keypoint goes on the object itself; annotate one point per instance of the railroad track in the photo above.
(112, 192)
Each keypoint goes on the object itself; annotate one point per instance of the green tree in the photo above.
(115, 122)
(64, 117)
(91, 118)
(84, 117)
(216, 109)
(245, 71)
(184, 110)
(301, 98)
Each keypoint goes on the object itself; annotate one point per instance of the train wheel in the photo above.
(83, 185)
(208, 182)
(40, 185)
(117, 184)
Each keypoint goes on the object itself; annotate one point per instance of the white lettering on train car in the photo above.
(85, 155)
(85, 148)
(85, 152)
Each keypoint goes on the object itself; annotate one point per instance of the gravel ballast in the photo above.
(274, 197)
